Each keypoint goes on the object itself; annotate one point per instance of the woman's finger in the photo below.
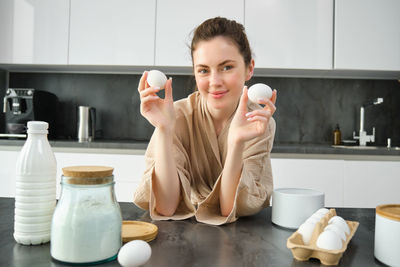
(274, 95)
(258, 118)
(142, 82)
(149, 91)
(243, 100)
(268, 105)
(259, 112)
(168, 89)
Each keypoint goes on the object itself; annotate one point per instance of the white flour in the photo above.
(86, 226)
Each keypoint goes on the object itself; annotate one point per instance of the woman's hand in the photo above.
(247, 125)
(159, 112)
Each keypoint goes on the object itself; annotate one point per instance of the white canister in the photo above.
(387, 234)
(292, 206)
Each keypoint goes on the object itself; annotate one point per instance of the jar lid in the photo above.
(88, 174)
(389, 211)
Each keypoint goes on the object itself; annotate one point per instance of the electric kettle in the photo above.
(86, 124)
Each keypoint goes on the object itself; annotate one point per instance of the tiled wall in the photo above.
(308, 109)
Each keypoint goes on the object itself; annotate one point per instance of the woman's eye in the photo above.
(202, 71)
(228, 67)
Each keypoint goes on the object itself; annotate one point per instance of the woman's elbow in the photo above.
(166, 211)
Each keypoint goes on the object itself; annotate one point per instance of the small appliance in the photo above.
(86, 124)
(21, 105)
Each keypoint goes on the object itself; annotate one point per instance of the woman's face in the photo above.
(220, 73)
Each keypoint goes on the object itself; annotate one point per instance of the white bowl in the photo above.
(292, 206)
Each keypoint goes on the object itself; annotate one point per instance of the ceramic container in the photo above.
(292, 206)
(387, 234)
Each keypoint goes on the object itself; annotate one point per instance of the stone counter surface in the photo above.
(250, 241)
(140, 147)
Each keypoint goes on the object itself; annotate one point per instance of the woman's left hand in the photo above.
(247, 125)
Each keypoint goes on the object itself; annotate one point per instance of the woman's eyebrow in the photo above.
(226, 61)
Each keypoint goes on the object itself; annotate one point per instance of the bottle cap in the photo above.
(37, 127)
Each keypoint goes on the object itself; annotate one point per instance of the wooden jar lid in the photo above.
(389, 211)
(86, 175)
(137, 230)
(87, 171)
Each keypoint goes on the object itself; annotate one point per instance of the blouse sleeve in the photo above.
(144, 196)
(254, 188)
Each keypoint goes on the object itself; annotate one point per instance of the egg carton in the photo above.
(304, 252)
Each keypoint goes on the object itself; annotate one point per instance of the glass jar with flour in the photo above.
(86, 225)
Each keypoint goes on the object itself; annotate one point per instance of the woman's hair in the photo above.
(219, 26)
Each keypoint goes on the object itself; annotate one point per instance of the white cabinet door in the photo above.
(368, 184)
(177, 19)
(322, 175)
(8, 161)
(106, 32)
(291, 34)
(34, 32)
(367, 34)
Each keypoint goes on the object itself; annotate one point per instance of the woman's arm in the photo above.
(161, 114)
(244, 126)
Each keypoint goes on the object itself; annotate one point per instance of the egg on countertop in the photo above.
(259, 91)
(134, 253)
(156, 78)
(306, 230)
(339, 221)
(337, 230)
(329, 240)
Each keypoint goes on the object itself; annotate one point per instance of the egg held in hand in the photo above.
(134, 253)
(156, 78)
(259, 91)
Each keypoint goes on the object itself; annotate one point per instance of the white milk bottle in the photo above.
(35, 197)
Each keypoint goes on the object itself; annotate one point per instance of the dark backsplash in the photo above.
(307, 109)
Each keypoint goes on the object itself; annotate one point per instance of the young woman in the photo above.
(209, 155)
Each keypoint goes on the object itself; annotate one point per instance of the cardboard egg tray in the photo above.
(304, 252)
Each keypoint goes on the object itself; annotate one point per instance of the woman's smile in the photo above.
(218, 94)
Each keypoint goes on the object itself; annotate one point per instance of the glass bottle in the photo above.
(337, 136)
(86, 226)
(35, 196)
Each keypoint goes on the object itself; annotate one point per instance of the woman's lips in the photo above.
(218, 94)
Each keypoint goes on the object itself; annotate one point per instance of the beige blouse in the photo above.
(200, 156)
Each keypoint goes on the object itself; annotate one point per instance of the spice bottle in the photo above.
(35, 197)
(86, 226)
(337, 136)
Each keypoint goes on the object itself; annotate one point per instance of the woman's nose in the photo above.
(215, 79)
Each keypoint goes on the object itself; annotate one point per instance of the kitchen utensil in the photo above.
(304, 252)
(292, 206)
(86, 124)
(387, 234)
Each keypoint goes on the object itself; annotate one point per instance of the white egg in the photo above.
(156, 78)
(337, 230)
(134, 253)
(316, 216)
(339, 221)
(329, 240)
(306, 230)
(259, 91)
(322, 211)
(313, 219)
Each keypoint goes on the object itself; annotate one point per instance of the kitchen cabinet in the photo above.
(369, 184)
(119, 32)
(367, 34)
(346, 183)
(290, 34)
(322, 175)
(177, 19)
(34, 32)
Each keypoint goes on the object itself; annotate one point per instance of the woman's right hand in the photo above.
(159, 112)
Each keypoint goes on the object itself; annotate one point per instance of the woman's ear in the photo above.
(250, 70)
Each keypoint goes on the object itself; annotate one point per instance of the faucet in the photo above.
(363, 136)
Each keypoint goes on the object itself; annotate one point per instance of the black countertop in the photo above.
(250, 241)
(277, 148)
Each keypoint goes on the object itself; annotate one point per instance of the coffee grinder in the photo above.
(27, 104)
